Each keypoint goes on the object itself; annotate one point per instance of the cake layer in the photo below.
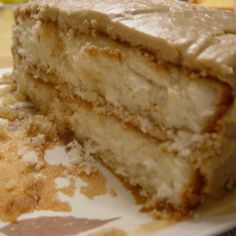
(194, 37)
(124, 81)
(168, 178)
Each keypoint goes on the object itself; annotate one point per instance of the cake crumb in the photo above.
(38, 140)
(95, 184)
(70, 189)
(112, 192)
(11, 185)
(29, 157)
(74, 149)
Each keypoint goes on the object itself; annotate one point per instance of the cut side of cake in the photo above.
(150, 83)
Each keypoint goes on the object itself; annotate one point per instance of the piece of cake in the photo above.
(150, 83)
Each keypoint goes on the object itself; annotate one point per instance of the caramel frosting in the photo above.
(202, 40)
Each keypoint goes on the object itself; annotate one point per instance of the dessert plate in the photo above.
(115, 214)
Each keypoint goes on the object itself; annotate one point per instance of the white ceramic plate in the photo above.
(120, 212)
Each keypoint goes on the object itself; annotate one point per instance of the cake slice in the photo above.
(150, 83)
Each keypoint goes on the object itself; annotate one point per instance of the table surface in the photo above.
(6, 20)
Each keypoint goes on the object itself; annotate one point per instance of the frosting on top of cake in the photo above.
(203, 40)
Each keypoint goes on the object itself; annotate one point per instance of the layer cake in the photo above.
(150, 83)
